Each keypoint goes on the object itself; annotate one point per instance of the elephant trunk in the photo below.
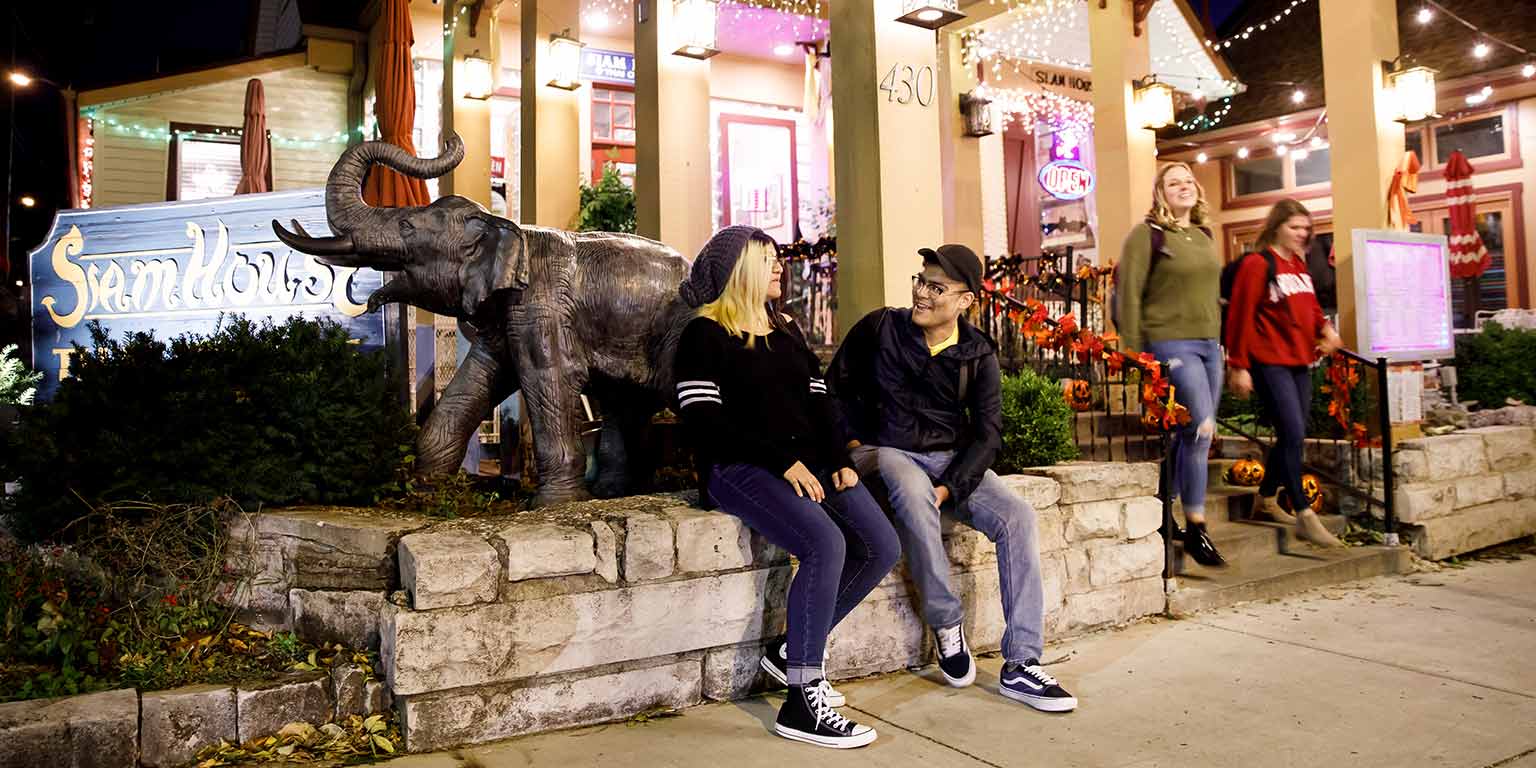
(373, 230)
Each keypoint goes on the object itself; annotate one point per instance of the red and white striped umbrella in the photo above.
(1468, 256)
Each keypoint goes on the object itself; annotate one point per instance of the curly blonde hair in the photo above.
(1162, 214)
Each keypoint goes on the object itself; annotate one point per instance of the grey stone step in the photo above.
(1202, 589)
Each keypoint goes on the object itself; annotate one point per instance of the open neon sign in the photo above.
(1067, 180)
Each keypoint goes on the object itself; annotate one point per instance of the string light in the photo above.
(1072, 117)
(1528, 71)
(1480, 50)
(1249, 31)
(310, 141)
(1028, 34)
(1425, 15)
(1298, 96)
(1242, 153)
(1201, 158)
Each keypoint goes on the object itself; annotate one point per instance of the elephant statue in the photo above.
(549, 312)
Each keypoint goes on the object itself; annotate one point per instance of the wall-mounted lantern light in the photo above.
(478, 82)
(1414, 90)
(1154, 103)
(978, 114)
(565, 61)
(695, 24)
(930, 14)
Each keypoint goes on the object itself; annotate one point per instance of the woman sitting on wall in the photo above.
(750, 392)
(1275, 330)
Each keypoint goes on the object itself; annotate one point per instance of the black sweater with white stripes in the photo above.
(766, 406)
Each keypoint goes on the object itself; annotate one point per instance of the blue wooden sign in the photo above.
(602, 66)
(174, 268)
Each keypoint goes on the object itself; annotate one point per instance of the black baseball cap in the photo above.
(957, 261)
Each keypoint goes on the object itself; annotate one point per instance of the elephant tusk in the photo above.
(300, 240)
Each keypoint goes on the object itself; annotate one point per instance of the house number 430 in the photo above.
(903, 84)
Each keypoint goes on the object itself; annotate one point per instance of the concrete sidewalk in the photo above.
(1430, 669)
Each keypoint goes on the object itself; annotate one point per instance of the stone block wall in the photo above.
(591, 612)
(1466, 490)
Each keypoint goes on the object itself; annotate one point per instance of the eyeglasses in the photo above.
(936, 290)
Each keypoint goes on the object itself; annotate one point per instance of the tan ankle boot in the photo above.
(1268, 508)
(1309, 528)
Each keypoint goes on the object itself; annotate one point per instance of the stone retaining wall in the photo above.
(595, 611)
(1466, 490)
(164, 729)
(494, 627)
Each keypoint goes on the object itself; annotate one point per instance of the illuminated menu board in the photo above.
(1403, 295)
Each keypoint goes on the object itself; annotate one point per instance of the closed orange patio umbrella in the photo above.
(396, 110)
(255, 150)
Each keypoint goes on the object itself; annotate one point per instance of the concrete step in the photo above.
(1201, 589)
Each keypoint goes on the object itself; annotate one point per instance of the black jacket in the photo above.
(892, 392)
(766, 406)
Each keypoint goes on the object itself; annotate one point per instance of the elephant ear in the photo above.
(498, 261)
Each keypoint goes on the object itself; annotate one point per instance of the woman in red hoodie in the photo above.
(1275, 331)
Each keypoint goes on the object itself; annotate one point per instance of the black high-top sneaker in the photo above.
(776, 664)
(955, 656)
(806, 716)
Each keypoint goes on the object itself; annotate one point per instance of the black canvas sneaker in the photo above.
(955, 656)
(777, 667)
(806, 716)
(1030, 684)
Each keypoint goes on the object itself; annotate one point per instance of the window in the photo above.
(1313, 169)
(1475, 138)
(1413, 141)
(426, 129)
(1494, 292)
(204, 162)
(613, 116)
(1262, 175)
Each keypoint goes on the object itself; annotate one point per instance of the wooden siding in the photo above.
(300, 103)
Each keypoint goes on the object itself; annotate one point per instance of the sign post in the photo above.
(176, 268)
(1403, 313)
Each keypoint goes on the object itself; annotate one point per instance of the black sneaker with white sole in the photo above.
(776, 664)
(806, 716)
(1030, 684)
(955, 656)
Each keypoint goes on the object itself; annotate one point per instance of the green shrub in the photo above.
(1037, 423)
(17, 384)
(264, 414)
(609, 206)
(1496, 365)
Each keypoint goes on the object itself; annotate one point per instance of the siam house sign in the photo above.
(174, 268)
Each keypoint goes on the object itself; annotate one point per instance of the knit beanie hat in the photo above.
(712, 268)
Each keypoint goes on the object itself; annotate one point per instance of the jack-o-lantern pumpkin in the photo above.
(1078, 393)
(1311, 488)
(1246, 472)
(1150, 421)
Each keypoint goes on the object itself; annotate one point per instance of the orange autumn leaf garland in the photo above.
(1343, 377)
(1033, 320)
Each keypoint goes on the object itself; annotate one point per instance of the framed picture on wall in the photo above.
(758, 179)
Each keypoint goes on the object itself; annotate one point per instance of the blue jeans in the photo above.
(845, 546)
(1001, 515)
(1194, 369)
(1286, 392)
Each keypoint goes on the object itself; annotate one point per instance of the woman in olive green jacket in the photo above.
(1169, 296)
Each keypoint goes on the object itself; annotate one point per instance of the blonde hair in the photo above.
(745, 298)
(1278, 216)
(1162, 214)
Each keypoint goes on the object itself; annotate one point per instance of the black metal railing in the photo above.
(810, 289)
(1353, 459)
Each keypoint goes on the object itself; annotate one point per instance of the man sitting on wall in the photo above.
(919, 390)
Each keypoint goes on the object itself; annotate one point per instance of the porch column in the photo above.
(889, 177)
(1366, 143)
(470, 118)
(673, 195)
(1124, 152)
(551, 136)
